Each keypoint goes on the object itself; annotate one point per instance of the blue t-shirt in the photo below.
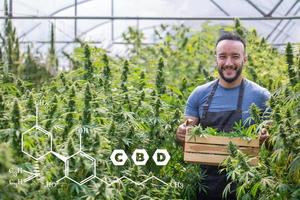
(226, 99)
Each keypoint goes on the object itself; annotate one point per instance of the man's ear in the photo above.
(245, 57)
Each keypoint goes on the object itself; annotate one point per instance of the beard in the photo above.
(230, 80)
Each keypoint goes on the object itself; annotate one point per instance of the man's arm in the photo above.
(181, 130)
(191, 114)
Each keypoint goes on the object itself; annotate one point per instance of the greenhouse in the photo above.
(148, 99)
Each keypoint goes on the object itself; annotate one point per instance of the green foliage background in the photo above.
(138, 102)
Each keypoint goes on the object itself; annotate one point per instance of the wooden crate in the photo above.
(212, 150)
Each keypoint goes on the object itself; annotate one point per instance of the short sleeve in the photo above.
(266, 110)
(265, 97)
(192, 105)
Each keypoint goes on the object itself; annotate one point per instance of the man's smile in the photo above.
(229, 71)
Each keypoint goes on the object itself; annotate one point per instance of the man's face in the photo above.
(230, 57)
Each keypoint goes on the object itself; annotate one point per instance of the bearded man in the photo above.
(223, 102)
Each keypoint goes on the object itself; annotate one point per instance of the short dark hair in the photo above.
(231, 36)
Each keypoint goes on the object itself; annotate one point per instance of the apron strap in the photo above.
(209, 99)
(241, 95)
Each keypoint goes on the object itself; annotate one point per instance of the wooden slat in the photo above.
(216, 149)
(221, 140)
(209, 159)
(205, 148)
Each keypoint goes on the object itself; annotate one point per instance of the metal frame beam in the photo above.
(257, 8)
(145, 18)
(284, 44)
(284, 27)
(112, 18)
(10, 8)
(278, 24)
(69, 6)
(220, 7)
(76, 3)
(86, 31)
(112, 21)
(75, 21)
(274, 9)
(99, 42)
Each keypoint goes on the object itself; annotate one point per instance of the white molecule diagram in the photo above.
(38, 133)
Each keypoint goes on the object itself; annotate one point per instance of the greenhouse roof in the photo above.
(103, 22)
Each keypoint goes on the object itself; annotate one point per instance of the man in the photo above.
(222, 102)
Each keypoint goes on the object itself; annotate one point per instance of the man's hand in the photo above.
(182, 129)
(263, 136)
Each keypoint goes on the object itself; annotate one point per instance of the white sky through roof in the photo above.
(100, 30)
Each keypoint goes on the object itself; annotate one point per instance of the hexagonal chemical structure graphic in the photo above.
(67, 146)
(161, 157)
(80, 168)
(140, 157)
(52, 168)
(36, 142)
(118, 157)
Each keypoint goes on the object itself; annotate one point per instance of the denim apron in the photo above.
(222, 121)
